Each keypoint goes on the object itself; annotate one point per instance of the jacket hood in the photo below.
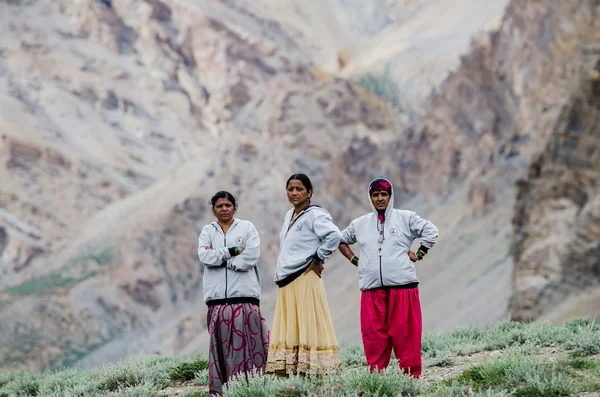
(390, 206)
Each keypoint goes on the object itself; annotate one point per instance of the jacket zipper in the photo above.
(382, 234)
(380, 272)
(225, 245)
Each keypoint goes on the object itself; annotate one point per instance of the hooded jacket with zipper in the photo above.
(313, 235)
(401, 227)
(226, 278)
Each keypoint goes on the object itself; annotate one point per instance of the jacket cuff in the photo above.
(317, 260)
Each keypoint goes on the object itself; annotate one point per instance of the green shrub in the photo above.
(522, 367)
(18, 384)
(585, 342)
(528, 377)
(187, 370)
(353, 356)
(201, 377)
(389, 384)
(382, 86)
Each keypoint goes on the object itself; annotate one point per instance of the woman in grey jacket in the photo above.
(302, 338)
(229, 250)
(390, 309)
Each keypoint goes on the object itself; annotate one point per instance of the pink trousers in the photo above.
(390, 318)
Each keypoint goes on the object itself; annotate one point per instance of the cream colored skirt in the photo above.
(302, 336)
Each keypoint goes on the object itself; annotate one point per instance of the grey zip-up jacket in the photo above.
(229, 278)
(313, 235)
(394, 267)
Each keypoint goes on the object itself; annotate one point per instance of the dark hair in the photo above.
(223, 194)
(302, 178)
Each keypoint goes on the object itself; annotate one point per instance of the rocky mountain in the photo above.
(557, 218)
(119, 120)
(500, 105)
(465, 156)
(414, 41)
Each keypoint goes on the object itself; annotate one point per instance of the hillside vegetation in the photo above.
(507, 358)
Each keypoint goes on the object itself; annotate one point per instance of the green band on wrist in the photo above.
(354, 260)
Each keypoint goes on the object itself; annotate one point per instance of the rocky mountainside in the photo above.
(466, 154)
(119, 120)
(500, 105)
(411, 40)
(557, 218)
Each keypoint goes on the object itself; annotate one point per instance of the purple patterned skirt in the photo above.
(239, 342)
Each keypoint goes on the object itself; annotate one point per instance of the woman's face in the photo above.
(297, 193)
(380, 199)
(224, 210)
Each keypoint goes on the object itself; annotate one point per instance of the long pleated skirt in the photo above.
(302, 337)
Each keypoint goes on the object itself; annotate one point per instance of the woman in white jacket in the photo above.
(302, 337)
(390, 309)
(229, 250)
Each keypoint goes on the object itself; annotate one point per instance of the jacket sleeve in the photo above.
(423, 229)
(328, 233)
(249, 258)
(349, 234)
(213, 257)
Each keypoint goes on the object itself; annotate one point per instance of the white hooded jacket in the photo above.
(226, 278)
(312, 236)
(401, 227)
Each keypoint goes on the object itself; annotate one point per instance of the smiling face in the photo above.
(224, 210)
(380, 199)
(297, 193)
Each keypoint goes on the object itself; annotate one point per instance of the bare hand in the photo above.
(207, 248)
(241, 250)
(315, 267)
(412, 256)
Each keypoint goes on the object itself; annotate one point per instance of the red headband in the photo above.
(380, 185)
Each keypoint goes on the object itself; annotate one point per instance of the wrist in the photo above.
(317, 260)
(233, 251)
(421, 252)
(354, 260)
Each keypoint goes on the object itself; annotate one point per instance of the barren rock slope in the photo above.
(119, 120)
(557, 219)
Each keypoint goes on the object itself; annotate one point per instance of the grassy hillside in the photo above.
(508, 358)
